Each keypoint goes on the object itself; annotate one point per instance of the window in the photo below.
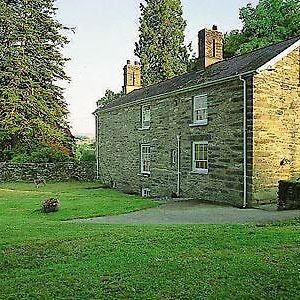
(214, 48)
(200, 157)
(173, 156)
(200, 110)
(145, 116)
(145, 159)
(145, 192)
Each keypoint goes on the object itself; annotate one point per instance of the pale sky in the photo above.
(106, 31)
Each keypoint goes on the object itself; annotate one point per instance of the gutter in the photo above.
(244, 140)
(182, 90)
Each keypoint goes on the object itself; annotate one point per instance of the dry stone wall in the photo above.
(49, 171)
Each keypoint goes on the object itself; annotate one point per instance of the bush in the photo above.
(85, 152)
(50, 205)
(42, 154)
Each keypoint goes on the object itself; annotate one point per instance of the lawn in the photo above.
(42, 257)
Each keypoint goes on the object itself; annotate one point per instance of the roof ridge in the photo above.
(221, 69)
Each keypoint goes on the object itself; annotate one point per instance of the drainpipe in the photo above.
(244, 140)
(178, 165)
(97, 147)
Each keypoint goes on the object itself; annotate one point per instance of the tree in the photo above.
(32, 108)
(161, 46)
(269, 22)
(108, 97)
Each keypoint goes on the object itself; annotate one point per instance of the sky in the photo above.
(104, 39)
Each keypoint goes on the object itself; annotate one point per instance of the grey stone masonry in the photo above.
(203, 142)
(49, 171)
(120, 137)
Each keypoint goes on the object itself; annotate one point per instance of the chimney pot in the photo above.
(136, 63)
(128, 62)
(215, 27)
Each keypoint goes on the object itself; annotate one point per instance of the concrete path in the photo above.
(194, 212)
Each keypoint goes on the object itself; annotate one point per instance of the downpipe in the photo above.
(178, 166)
(97, 147)
(244, 140)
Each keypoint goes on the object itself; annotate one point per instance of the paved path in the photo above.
(193, 212)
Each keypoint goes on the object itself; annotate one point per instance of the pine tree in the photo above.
(161, 46)
(32, 108)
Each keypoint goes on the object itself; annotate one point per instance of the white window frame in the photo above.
(173, 156)
(145, 156)
(146, 192)
(200, 107)
(146, 116)
(196, 169)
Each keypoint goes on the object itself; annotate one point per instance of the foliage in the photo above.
(50, 205)
(85, 152)
(31, 63)
(108, 97)
(161, 46)
(98, 261)
(37, 153)
(269, 22)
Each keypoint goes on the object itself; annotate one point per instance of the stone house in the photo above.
(227, 132)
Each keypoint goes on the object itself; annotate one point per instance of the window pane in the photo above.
(197, 152)
(145, 150)
(205, 152)
(200, 107)
(200, 102)
(200, 156)
(146, 116)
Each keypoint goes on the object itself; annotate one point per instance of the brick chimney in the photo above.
(132, 77)
(210, 47)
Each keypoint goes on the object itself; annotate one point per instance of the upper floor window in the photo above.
(200, 157)
(145, 159)
(200, 110)
(146, 117)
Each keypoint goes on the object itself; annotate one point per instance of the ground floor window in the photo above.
(145, 159)
(200, 157)
(145, 192)
(173, 156)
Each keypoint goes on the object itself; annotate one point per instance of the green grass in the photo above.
(44, 258)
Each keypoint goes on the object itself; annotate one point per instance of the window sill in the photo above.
(144, 174)
(202, 123)
(200, 172)
(144, 128)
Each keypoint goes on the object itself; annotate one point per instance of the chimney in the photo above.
(132, 77)
(210, 46)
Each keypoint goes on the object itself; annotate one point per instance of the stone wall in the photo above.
(49, 171)
(276, 126)
(120, 136)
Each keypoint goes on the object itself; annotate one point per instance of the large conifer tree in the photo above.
(161, 46)
(32, 108)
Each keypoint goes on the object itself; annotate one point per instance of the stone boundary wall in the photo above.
(49, 171)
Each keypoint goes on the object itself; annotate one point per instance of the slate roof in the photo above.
(236, 65)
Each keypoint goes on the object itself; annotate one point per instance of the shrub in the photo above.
(39, 155)
(50, 205)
